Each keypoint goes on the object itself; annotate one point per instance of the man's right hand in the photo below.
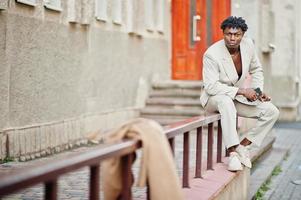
(249, 93)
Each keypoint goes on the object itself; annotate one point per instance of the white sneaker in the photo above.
(244, 155)
(234, 162)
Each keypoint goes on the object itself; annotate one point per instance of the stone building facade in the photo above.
(71, 67)
(274, 25)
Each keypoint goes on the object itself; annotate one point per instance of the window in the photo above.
(139, 16)
(86, 11)
(130, 16)
(53, 5)
(28, 2)
(3, 5)
(149, 14)
(117, 12)
(101, 10)
(160, 11)
(135, 16)
(74, 10)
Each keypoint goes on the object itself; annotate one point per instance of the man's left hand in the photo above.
(264, 97)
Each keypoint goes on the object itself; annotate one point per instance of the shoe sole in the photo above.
(235, 170)
(244, 163)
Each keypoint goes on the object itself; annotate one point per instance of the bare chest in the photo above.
(237, 63)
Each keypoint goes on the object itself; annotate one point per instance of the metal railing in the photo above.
(49, 173)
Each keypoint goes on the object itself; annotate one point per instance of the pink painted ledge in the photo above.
(211, 183)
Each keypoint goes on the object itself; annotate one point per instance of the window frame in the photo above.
(160, 13)
(55, 5)
(117, 12)
(101, 10)
(149, 15)
(28, 2)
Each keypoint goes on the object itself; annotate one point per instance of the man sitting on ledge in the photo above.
(226, 65)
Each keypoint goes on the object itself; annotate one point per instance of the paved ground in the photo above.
(74, 185)
(283, 186)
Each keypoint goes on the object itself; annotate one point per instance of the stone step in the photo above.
(174, 106)
(178, 92)
(170, 119)
(257, 152)
(219, 184)
(227, 189)
(168, 111)
(173, 101)
(264, 167)
(178, 84)
(165, 120)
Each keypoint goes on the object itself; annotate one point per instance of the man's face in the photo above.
(232, 37)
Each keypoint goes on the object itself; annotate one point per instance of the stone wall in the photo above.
(67, 73)
(34, 141)
(276, 24)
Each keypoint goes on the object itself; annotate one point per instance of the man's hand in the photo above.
(264, 97)
(249, 93)
(252, 95)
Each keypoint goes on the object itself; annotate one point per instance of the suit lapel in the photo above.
(243, 54)
(228, 65)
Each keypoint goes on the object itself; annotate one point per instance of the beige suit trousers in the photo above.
(265, 113)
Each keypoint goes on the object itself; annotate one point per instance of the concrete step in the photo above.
(168, 111)
(178, 84)
(165, 120)
(177, 92)
(264, 167)
(168, 121)
(174, 106)
(173, 101)
(219, 184)
(222, 184)
(257, 152)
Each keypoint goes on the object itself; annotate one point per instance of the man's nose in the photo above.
(232, 37)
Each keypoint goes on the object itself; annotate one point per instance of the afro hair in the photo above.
(234, 22)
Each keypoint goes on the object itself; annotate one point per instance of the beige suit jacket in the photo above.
(157, 162)
(220, 76)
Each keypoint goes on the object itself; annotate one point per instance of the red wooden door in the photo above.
(195, 26)
(220, 11)
(188, 38)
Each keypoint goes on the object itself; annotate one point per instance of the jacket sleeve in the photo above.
(212, 83)
(256, 71)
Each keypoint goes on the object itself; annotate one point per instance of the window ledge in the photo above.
(117, 22)
(27, 2)
(103, 19)
(55, 8)
(3, 5)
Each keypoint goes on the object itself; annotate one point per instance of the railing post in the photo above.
(210, 146)
(94, 182)
(186, 160)
(147, 191)
(198, 165)
(227, 152)
(127, 178)
(219, 142)
(172, 144)
(51, 190)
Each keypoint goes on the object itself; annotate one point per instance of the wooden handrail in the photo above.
(48, 173)
(45, 172)
(190, 124)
